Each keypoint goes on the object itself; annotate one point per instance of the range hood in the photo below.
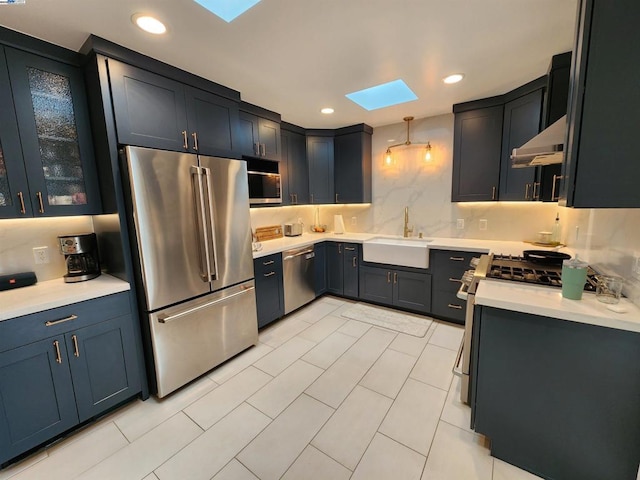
(546, 148)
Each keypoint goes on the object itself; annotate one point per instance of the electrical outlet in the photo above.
(483, 224)
(41, 255)
(354, 221)
(460, 224)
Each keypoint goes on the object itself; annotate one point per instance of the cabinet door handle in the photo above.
(51, 323)
(312, 198)
(56, 344)
(553, 190)
(336, 198)
(39, 195)
(270, 274)
(296, 196)
(493, 193)
(536, 192)
(185, 140)
(291, 197)
(354, 262)
(195, 141)
(457, 259)
(76, 351)
(339, 249)
(388, 277)
(21, 198)
(263, 150)
(457, 307)
(270, 262)
(526, 191)
(451, 279)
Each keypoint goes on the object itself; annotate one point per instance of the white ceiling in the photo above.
(297, 56)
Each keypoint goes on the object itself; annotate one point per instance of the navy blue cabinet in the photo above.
(321, 167)
(477, 141)
(447, 267)
(320, 265)
(259, 137)
(342, 268)
(352, 164)
(557, 398)
(157, 112)
(520, 124)
(269, 288)
(399, 288)
(601, 167)
(64, 366)
(48, 169)
(293, 166)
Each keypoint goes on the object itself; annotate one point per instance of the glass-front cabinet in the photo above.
(55, 138)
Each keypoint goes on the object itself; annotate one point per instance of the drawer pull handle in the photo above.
(457, 259)
(270, 274)
(51, 323)
(350, 249)
(270, 262)
(451, 279)
(76, 351)
(58, 356)
(457, 307)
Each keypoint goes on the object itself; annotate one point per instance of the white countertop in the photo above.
(436, 243)
(56, 293)
(548, 302)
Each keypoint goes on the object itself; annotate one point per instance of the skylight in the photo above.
(227, 10)
(384, 95)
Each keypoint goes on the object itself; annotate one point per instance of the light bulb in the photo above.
(427, 154)
(388, 159)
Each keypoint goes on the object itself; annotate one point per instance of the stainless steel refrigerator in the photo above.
(193, 238)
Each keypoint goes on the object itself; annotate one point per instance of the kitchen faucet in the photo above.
(407, 231)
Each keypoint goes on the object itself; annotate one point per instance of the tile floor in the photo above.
(320, 397)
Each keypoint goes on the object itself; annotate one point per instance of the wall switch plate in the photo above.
(41, 255)
(483, 224)
(354, 220)
(460, 224)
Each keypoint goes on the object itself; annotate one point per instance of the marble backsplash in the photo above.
(19, 237)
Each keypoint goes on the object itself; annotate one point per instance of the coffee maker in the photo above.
(81, 254)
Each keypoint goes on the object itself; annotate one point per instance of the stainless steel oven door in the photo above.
(463, 360)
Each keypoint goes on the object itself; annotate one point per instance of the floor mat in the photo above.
(387, 318)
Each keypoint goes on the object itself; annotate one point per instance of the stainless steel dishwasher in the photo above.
(299, 277)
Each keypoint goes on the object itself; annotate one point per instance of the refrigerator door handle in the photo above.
(165, 319)
(201, 224)
(211, 245)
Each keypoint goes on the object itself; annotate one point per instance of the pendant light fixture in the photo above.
(388, 155)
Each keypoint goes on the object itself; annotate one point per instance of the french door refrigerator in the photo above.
(192, 231)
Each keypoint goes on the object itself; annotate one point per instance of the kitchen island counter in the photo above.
(56, 293)
(548, 302)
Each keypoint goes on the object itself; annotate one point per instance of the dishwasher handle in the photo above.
(298, 253)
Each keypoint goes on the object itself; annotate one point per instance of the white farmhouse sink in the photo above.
(408, 252)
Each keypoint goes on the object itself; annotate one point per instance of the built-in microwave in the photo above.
(264, 181)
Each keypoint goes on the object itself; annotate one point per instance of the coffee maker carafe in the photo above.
(81, 254)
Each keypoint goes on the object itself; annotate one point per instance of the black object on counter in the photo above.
(17, 280)
(545, 257)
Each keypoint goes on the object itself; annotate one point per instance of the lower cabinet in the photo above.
(342, 268)
(447, 267)
(62, 367)
(407, 290)
(269, 288)
(320, 266)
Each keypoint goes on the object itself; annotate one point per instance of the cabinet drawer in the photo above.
(448, 266)
(266, 265)
(30, 328)
(446, 305)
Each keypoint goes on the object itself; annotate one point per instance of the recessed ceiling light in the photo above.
(327, 110)
(455, 78)
(227, 10)
(384, 95)
(149, 24)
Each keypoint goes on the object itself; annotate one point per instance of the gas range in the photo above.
(519, 269)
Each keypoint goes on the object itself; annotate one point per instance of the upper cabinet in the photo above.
(477, 140)
(293, 166)
(320, 156)
(46, 164)
(157, 112)
(352, 164)
(601, 167)
(485, 133)
(259, 135)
